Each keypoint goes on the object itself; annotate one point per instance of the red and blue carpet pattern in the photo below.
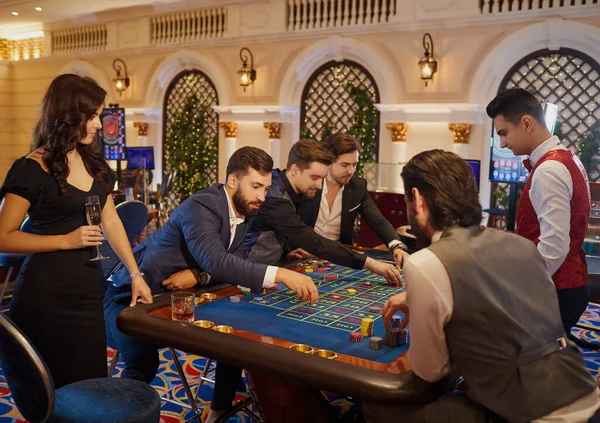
(168, 384)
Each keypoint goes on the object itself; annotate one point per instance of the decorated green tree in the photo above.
(190, 151)
(364, 126)
(589, 148)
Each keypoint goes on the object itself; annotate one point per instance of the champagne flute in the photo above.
(93, 212)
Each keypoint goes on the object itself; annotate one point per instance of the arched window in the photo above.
(340, 97)
(570, 79)
(190, 132)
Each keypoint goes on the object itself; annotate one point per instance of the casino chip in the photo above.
(375, 342)
(331, 277)
(336, 297)
(351, 291)
(356, 337)
(234, 299)
(374, 309)
(259, 299)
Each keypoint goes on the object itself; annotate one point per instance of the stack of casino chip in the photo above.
(374, 309)
(375, 343)
(366, 327)
(244, 290)
(356, 337)
(403, 337)
(392, 337)
(234, 299)
(395, 322)
(321, 270)
(320, 264)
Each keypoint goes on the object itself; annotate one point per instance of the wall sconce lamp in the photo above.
(428, 64)
(246, 74)
(121, 82)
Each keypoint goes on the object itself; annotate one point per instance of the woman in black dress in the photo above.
(58, 294)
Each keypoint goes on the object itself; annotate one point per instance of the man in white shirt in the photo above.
(334, 209)
(554, 207)
(481, 304)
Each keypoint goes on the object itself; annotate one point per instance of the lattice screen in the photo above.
(187, 83)
(326, 101)
(571, 80)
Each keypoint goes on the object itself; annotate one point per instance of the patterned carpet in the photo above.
(169, 386)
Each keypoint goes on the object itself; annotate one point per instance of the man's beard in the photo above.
(423, 241)
(243, 206)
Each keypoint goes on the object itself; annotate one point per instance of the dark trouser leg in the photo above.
(449, 408)
(141, 358)
(572, 303)
(227, 380)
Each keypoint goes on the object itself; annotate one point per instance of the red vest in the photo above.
(573, 271)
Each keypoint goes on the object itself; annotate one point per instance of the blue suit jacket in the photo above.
(197, 237)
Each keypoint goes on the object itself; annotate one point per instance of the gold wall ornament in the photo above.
(461, 132)
(230, 129)
(142, 128)
(399, 131)
(274, 129)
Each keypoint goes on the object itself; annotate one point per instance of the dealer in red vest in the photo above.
(554, 208)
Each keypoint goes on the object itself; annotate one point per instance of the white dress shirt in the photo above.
(234, 221)
(329, 221)
(429, 299)
(550, 193)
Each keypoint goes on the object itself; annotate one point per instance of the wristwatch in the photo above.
(400, 245)
(204, 278)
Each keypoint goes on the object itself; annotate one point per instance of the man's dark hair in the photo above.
(515, 103)
(305, 152)
(338, 144)
(447, 184)
(249, 157)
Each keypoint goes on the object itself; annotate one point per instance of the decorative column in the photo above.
(461, 132)
(274, 129)
(229, 143)
(142, 128)
(399, 131)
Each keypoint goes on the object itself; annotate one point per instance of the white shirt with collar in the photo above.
(329, 221)
(550, 192)
(430, 301)
(234, 221)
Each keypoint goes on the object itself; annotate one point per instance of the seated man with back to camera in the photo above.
(481, 303)
(202, 242)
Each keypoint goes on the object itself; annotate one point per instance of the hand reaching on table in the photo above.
(387, 270)
(400, 257)
(298, 254)
(394, 304)
(301, 284)
(183, 279)
(140, 291)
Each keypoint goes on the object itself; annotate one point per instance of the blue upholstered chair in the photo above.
(13, 261)
(93, 401)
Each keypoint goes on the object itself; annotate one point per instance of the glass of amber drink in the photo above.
(182, 307)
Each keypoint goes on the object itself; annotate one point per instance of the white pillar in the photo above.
(399, 131)
(274, 129)
(461, 132)
(227, 147)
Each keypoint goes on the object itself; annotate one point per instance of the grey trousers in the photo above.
(449, 408)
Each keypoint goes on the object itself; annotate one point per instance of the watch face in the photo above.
(204, 278)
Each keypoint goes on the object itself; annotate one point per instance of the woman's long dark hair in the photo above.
(70, 102)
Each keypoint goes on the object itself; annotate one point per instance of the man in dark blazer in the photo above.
(202, 242)
(278, 223)
(333, 210)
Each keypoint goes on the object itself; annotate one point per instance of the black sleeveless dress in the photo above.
(57, 301)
